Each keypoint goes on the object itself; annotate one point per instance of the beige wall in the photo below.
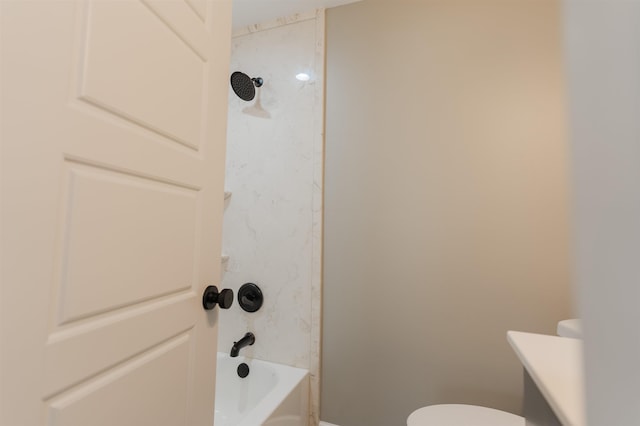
(446, 202)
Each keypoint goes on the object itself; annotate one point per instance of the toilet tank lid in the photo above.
(458, 414)
(570, 328)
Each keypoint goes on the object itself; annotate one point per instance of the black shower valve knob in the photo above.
(211, 297)
(250, 297)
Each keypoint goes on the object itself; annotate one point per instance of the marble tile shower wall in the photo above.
(271, 231)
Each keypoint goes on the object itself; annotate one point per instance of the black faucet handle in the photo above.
(211, 297)
(250, 297)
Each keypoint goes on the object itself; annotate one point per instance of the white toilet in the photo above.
(462, 415)
(473, 415)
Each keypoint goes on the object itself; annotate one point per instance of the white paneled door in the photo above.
(113, 129)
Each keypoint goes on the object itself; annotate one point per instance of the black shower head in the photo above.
(243, 85)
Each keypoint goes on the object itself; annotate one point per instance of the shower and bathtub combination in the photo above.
(272, 225)
(250, 392)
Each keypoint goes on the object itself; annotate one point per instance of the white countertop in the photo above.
(555, 365)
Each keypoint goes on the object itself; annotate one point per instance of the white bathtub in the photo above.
(271, 395)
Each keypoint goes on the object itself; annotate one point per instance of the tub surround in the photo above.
(247, 12)
(273, 223)
(554, 365)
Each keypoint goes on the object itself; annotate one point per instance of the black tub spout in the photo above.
(248, 340)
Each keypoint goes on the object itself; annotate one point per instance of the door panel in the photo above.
(198, 6)
(107, 340)
(118, 229)
(158, 88)
(113, 128)
(148, 390)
